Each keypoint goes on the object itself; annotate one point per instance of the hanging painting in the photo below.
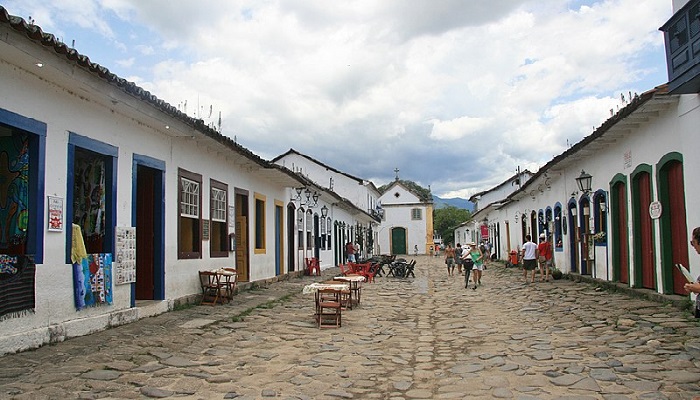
(92, 280)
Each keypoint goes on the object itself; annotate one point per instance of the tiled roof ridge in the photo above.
(35, 33)
(635, 103)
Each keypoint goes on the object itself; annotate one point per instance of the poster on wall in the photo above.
(231, 217)
(55, 208)
(125, 266)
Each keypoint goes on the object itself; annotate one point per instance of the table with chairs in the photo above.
(401, 268)
(355, 289)
(218, 285)
(328, 302)
(366, 269)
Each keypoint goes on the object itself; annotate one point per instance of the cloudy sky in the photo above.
(456, 94)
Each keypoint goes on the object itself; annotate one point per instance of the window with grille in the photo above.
(218, 213)
(416, 214)
(189, 219)
(189, 200)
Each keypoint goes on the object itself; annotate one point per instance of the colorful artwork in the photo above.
(14, 192)
(89, 196)
(92, 280)
(17, 278)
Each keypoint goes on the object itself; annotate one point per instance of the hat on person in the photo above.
(542, 236)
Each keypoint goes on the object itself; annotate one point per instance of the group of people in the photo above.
(537, 255)
(352, 251)
(468, 258)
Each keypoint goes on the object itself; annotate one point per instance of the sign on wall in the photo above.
(55, 208)
(655, 210)
(124, 269)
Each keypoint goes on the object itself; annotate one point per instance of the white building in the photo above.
(629, 221)
(407, 226)
(632, 225)
(353, 205)
(79, 145)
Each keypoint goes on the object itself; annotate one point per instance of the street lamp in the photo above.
(324, 211)
(584, 182)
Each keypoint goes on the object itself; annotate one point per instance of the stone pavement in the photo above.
(422, 338)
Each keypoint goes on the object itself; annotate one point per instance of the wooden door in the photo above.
(279, 240)
(145, 222)
(622, 260)
(398, 241)
(646, 254)
(677, 219)
(242, 248)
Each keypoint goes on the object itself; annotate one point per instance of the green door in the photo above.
(398, 241)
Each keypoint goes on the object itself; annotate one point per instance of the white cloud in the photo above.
(395, 86)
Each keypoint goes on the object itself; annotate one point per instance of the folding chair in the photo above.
(211, 287)
(328, 308)
(409, 269)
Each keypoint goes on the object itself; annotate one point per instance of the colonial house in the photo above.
(112, 200)
(477, 228)
(407, 224)
(615, 205)
(354, 209)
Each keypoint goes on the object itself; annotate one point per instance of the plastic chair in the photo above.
(370, 271)
(312, 266)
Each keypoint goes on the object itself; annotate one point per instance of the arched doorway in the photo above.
(674, 249)
(584, 235)
(643, 230)
(398, 241)
(573, 236)
(620, 230)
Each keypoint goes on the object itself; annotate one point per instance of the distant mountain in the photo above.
(455, 202)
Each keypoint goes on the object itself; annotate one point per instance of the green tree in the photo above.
(446, 219)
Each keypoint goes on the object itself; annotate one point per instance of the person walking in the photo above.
(450, 259)
(467, 264)
(544, 249)
(695, 287)
(529, 253)
(484, 252)
(478, 259)
(458, 258)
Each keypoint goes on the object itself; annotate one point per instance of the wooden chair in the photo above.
(211, 287)
(328, 308)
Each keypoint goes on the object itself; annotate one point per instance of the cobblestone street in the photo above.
(422, 338)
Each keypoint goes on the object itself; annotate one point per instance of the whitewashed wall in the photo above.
(397, 211)
(69, 100)
(673, 129)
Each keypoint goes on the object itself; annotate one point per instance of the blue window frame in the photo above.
(23, 150)
(92, 165)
